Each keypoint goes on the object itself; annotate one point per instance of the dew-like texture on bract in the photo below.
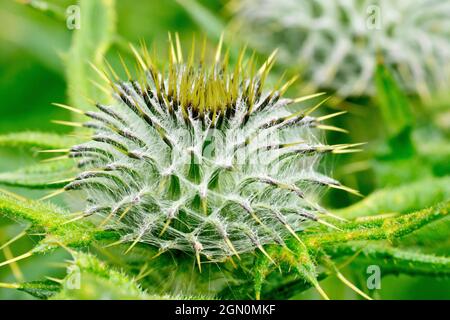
(201, 159)
(338, 42)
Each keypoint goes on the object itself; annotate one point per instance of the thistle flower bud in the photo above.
(338, 42)
(201, 158)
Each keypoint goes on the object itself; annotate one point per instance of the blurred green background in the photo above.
(34, 47)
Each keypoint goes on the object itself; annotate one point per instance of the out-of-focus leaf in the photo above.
(23, 107)
(89, 45)
(432, 238)
(37, 140)
(41, 176)
(45, 45)
(51, 9)
(206, 20)
(394, 105)
(403, 199)
(396, 172)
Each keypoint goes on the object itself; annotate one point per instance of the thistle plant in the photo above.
(338, 43)
(197, 178)
(202, 158)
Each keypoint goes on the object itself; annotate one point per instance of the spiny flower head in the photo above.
(201, 158)
(338, 42)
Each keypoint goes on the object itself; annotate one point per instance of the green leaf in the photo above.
(206, 20)
(40, 289)
(377, 228)
(395, 260)
(262, 268)
(394, 105)
(41, 176)
(53, 221)
(339, 244)
(48, 8)
(403, 199)
(432, 238)
(89, 45)
(35, 43)
(41, 214)
(287, 289)
(91, 279)
(37, 140)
